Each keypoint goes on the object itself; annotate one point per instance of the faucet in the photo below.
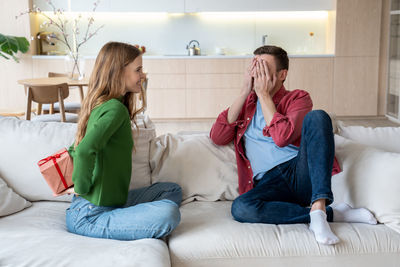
(264, 39)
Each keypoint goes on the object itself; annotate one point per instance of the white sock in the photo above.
(344, 213)
(320, 226)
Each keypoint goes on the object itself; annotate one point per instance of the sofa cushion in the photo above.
(38, 237)
(370, 179)
(141, 172)
(208, 236)
(24, 143)
(10, 202)
(204, 171)
(386, 138)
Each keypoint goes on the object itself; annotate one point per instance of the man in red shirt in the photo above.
(284, 151)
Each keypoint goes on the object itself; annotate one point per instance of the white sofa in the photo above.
(34, 234)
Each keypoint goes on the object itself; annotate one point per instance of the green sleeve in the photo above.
(94, 141)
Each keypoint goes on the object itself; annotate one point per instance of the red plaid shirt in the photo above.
(285, 128)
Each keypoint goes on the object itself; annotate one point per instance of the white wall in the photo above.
(12, 94)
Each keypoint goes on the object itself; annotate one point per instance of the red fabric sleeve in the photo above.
(285, 129)
(223, 132)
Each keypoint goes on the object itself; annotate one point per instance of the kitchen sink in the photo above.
(182, 55)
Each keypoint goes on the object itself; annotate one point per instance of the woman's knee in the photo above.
(170, 215)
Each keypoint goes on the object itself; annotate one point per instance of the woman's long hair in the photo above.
(107, 82)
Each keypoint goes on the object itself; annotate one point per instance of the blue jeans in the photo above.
(150, 212)
(283, 195)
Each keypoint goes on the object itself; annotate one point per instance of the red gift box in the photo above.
(57, 171)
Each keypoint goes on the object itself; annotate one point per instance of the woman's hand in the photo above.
(68, 191)
(264, 81)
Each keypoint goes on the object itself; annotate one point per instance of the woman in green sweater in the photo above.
(102, 205)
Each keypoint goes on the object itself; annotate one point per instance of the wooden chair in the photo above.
(68, 106)
(49, 94)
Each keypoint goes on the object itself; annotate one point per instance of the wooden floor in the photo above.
(182, 125)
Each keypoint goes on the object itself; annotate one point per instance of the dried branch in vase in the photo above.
(70, 34)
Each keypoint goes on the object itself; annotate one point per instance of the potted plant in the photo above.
(10, 45)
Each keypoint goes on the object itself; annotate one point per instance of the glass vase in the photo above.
(75, 66)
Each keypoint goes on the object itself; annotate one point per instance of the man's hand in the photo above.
(236, 107)
(249, 78)
(264, 81)
(264, 84)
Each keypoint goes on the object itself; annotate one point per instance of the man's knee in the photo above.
(318, 117)
(242, 210)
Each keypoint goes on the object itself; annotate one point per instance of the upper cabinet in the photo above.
(172, 6)
(221, 5)
(258, 5)
(44, 6)
(189, 6)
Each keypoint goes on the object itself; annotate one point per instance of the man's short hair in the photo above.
(280, 55)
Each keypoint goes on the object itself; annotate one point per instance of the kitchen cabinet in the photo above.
(356, 86)
(393, 91)
(194, 87)
(258, 5)
(172, 6)
(221, 5)
(212, 85)
(166, 93)
(87, 5)
(299, 5)
(315, 75)
(202, 88)
(44, 6)
(356, 64)
(189, 6)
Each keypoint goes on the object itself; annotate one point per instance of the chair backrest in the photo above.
(55, 74)
(48, 94)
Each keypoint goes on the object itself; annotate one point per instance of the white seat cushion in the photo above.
(67, 106)
(208, 236)
(38, 237)
(56, 117)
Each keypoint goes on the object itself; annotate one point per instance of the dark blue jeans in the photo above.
(283, 195)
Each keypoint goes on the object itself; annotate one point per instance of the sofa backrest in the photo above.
(24, 143)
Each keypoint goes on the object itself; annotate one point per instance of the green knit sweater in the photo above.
(103, 159)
